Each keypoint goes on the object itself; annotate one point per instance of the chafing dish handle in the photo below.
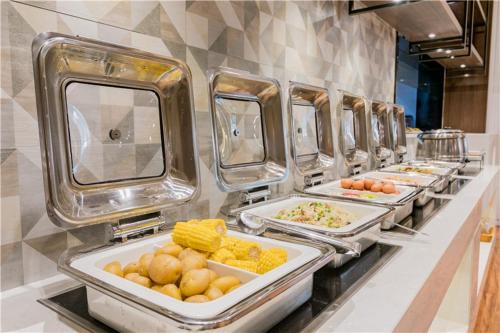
(352, 248)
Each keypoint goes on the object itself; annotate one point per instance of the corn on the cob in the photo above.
(196, 236)
(246, 265)
(221, 255)
(268, 261)
(281, 253)
(216, 224)
(229, 243)
(180, 233)
(245, 250)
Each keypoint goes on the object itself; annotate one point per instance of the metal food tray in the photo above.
(402, 203)
(428, 183)
(443, 178)
(363, 231)
(118, 306)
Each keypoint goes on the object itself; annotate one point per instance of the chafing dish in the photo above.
(398, 132)
(448, 145)
(310, 123)
(363, 229)
(402, 203)
(381, 134)
(127, 306)
(352, 129)
(427, 183)
(247, 130)
(99, 106)
(443, 174)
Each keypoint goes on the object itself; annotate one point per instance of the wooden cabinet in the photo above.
(465, 103)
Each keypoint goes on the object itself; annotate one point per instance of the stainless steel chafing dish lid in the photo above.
(248, 131)
(398, 129)
(117, 130)
(310, 122)
(380, 127)
(353, 134)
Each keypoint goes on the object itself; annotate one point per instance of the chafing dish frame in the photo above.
(364, 234)
(181, 322)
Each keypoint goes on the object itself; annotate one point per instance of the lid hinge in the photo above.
(314, 179)
(137, 227)
(255, 195)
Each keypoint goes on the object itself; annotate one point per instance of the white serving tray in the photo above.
(93, 264)
(421, 180)
(364, 213)
(335, 190)
(434, 170)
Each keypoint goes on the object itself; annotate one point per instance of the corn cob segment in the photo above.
(281, 253)
(196, 236)
(268, 261)
(245, 250)
(218, 225)
(246, 265)
(221, 255)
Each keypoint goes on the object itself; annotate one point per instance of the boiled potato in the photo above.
(195, 282)
(188, 252)
(131, 276)
(172, 291)
(197, 299)
(114, 268)
(142, 280)
(213, 275)
(144, 262)
(132, 267)
(213, 292)
(193, 262)
(157, 287)
(233, 288)
(165, 269)
(225, 283)
(173, 250)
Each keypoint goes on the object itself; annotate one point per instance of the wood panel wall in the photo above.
(465, 103)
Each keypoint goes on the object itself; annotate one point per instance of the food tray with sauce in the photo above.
(402, 200)
(425, 169)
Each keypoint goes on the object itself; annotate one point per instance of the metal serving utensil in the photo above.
(410, 229)
(256, 225)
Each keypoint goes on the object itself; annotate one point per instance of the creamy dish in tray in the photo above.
(317, 213)
(179, 268)
(407, 168)
(405, 179)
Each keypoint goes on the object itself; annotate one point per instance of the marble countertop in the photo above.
(379, 305)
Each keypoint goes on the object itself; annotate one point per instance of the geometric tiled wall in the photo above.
(314, 42)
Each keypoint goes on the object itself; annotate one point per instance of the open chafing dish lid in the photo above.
(117, 130)
(398, 128)
(248, 130)
(310, 118)
(352, 134)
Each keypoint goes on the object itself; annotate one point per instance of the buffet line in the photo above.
(256, 265)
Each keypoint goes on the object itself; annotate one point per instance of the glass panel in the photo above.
(115, 133)
(239, 132)
(305, 129)
(349, 130)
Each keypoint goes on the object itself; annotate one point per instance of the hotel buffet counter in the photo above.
(429, 283)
